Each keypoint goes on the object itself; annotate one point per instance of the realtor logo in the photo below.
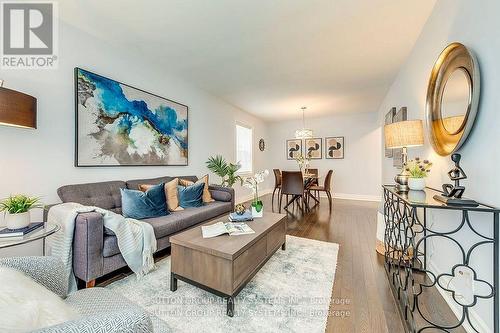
(29, 35)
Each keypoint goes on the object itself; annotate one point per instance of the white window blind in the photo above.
(244, 148)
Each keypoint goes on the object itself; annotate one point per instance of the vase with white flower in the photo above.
(418, 169)
(253, 183)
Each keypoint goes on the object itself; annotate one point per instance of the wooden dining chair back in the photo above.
(328, 180)
(314, 181)
(292, 183)
(314, 172)
(277, 184)
(327, 187)
(277, 177)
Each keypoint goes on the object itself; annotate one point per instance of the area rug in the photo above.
(290, 293)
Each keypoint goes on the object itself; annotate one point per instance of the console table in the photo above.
(411, 278)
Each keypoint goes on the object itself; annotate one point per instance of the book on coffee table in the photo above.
(246, 216)
(4, 233)
(221, 228)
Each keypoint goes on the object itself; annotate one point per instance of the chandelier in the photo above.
(303, 133)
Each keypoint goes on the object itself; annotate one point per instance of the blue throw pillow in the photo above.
(143, 205)
(191, 196)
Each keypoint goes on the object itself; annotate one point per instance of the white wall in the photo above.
(475, 24)
(38, 161)
(356, 176)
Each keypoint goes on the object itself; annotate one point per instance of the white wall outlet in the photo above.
(463, 285)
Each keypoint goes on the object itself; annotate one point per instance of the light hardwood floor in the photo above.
(361, 299)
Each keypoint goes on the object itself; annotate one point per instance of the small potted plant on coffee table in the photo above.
(418, 170)
(17, 210)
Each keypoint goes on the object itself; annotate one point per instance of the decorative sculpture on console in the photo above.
(453, 193)
(456, 174)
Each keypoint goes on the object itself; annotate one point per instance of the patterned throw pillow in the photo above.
(143, 205)
(170, 194)
(207, 197)
(191, 196)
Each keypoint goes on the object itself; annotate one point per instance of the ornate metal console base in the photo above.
(407, 237)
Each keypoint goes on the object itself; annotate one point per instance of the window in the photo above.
(244, 148)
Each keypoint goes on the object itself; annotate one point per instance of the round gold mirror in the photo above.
(452, 98)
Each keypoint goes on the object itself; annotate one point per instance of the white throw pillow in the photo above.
(26, 305)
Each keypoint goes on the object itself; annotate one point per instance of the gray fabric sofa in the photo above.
(101, 310)
(95, 249)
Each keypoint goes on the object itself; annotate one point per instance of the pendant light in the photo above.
(303, 133)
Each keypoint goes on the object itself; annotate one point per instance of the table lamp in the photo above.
(403, 134)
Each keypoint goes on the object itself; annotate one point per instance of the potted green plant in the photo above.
(418, 170)
(253, 184)
(226, 171)
(16, 209)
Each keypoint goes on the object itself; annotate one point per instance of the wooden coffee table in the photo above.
(223, 265)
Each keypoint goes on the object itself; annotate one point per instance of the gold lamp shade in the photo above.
(17, 109)
(401, 134)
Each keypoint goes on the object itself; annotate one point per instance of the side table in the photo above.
(41, 233)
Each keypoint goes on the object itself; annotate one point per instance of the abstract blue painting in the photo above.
(121, 125)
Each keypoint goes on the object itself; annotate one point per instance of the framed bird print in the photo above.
(334, 147)
(389, 116)
(293, 148)
(397, 153)
(314, 148)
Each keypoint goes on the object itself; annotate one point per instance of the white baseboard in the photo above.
(361, 197)
(345, 196)
(350, 196)
(457, 310)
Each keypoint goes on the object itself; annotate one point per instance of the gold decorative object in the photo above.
(240, 209)
(452, 98)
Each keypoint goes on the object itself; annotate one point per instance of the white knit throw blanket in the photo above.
(136, 239)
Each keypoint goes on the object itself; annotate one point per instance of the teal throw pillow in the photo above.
(143, 205)
(191, 196)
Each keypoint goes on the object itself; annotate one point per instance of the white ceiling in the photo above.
(268, 57)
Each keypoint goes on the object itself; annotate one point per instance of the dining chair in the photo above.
(277, 184)
(314, 181)
(315, 173)
(325, 188)
(292, 183)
